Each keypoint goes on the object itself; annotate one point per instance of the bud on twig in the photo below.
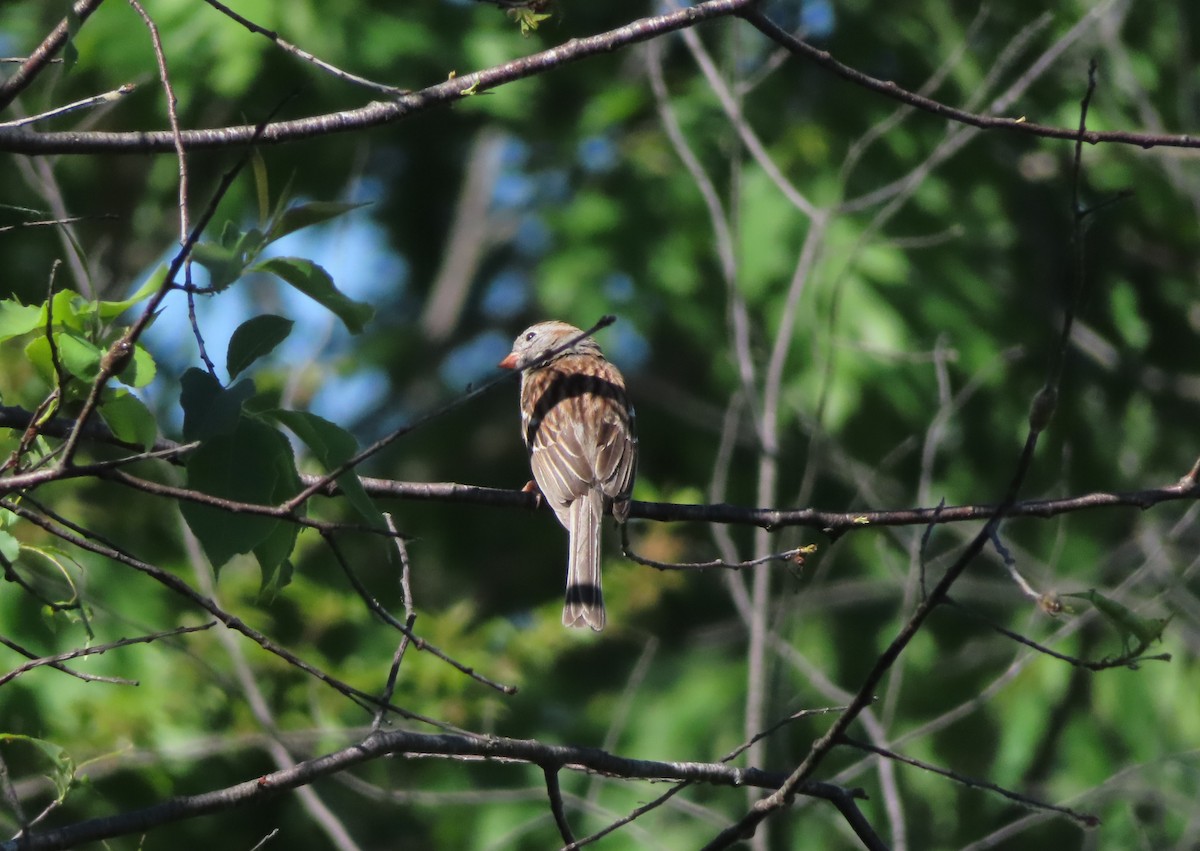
(1042, 409)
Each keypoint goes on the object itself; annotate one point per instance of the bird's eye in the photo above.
(530, 336)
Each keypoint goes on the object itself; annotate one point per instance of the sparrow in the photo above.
(578, 427)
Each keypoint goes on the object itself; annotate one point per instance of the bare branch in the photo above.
(172, 116)
(832, 523)
(1039, 416)
(793, 556)
(95, 651)
(44, 54)
(984, 122)
(58, 111)
(1130, 659)
(1085, 819)
(554, 793)
(288, 47)
(75, 535)
(374, 114)
(404, 743)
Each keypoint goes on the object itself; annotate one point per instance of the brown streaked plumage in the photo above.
(578, 426)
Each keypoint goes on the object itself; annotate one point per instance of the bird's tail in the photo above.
(585, 602)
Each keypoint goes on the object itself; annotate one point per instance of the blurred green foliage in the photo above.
(922, 332)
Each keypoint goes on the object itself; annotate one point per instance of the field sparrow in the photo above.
(578, 428)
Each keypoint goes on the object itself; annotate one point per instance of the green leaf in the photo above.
(253, 339)
(209, 409)
(333, 446)
(109, 310)
(79, 356)
(528, 19)
(275, 568)
(252, 464)
(1128, 624)
(37, 352)
(66, 307)
(63, 771)
(140, 370)
(130, 420)
(250, 244)
(17, 319)
(231, 235)
(306, 215)
(314, 282)
(10, 547)
(261, 186)
(223, 264)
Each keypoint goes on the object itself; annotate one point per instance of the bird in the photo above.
(578, 428)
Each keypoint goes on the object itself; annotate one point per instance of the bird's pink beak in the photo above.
(509, 362)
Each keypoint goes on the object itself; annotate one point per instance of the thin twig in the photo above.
(98, 649)
(58, 666)
(859, 825)
(405, 743)
(793, 556)
(773, 31)
(73, 534)
(87, 103)
(410, 619)
(1085, 819)
(43, 55)
(1039, 416)
(378, 112)
(832, 523)
(633, 814)
(67, 220)
(10, 795)
(1126, 660)
(172, 115)
(405, 568)
(348, 465)
(304, 54)
(405, 629)
(262, 842)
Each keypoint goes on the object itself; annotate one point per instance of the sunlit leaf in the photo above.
(222, 262)
(314, 282)
(10, 547)
(17, 319)
(130, 420)
(305, 215)
(62, 771)
(261, 185)
(140, 370)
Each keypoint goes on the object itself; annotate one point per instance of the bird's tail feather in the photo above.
(585, 602)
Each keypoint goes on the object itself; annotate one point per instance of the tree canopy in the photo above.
(906, 299)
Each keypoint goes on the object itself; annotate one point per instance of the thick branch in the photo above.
(833, 522)
(416, 745)
(24, 141)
